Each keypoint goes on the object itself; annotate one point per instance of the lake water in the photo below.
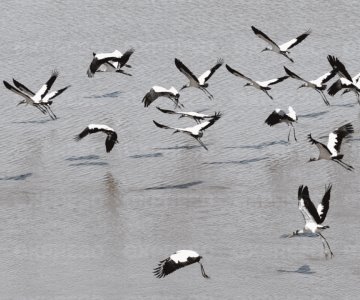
(78, 223)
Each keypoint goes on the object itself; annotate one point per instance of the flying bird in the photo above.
(260, 85)
(196, 131)
(197, 117)
(46, 101)
(317, 84)
(201, 81)
(331, 151)
(282, 49)
(314, 217)
(158, 91)
(111, 138)
(33, 99)
(180, 259)
(345, 81)
(109, 62)
(279, 116)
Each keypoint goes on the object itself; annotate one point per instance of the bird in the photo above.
(314, 217)
(282, 49)
(345, 81)
(196, 131)
(179, 259)
(201, 81)
(279, 116)
(111, 138)
(356, 82)
(317, 84)
(109, 61)
(35, 99)
(260, 85)
(159, 91)
(198, 117)
(331, 151)
(45, 101)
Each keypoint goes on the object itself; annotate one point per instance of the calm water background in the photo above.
(78, 223)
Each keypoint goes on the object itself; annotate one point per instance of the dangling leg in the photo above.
(289, 135)
(293, 131)
(323, 97)
(47, 110)
(207, 93)
(344, 165)
(283, 53)
(48, 106)
(203, 271)
(266, 92)
(201, 143)
(324, 240)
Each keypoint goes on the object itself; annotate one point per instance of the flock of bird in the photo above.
(116, 62)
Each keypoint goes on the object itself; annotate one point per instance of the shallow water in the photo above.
(78, 223)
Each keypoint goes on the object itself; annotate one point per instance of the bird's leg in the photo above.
(50, 110)
(201, 143)
(266, 92)
(358, 97)
(289, 135)
(40, 108)
(47, 110)
(323, 97)
(203, 271)
(324, 240)
(289, 58)
(293, 131)
(344, 165)
(207, 93)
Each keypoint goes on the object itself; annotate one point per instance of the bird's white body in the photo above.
(100, 127)
(115, 53)
(182, 255)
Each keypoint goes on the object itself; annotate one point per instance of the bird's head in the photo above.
(266, 49)
(21, 102)
(247, 84)
(296, 232)
(201, 133)
(176, 131)
(312, 159)
(184, 87)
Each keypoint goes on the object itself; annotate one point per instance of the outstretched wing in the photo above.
(275, 117)
(306, 206)
(339, 66)
(110, 141)
(47, 86)
(183, 69)
(206, 75)
(323, 207)
(292, 43)
(54, 94)
(83, 134)
(125, 57)
(326, 77)
(293, 75)
(264, 37)
(96, 63)
(15, 90)
(166, 111)
(237, 73)
(204, 125)
(168, 266)
(164, 126)
(324, 152)
(336, 137)
(23, 88)
(274, 81)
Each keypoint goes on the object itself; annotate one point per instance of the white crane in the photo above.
(260, 85)
(279, 116)
(282, 49)
(196, 131)
(197, 117)
(180, 259)
(109, 62)
(159, 91)
(314, 217)
(331, 151)
(35, 99)
(345, 81)
(201, 81)
(316, 84)
(111, 138)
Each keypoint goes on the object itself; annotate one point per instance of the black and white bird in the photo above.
(314, 217)
(46, 101)
(110, 62)
(260, 85)
(356, 82)
(279, 116)
(331, 151)
(282, 49)
(30, 98)
(180, 259)
(159, 91)
(196, 131)
(345, 81)
(197, 117)
(201, 81)
(111, 138)
(317, 84)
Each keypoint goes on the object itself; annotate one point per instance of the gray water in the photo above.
(78, 223)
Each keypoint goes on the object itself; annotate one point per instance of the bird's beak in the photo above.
(21, 102)
(300, 86)
(263, 50)
(291, 235)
